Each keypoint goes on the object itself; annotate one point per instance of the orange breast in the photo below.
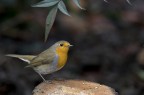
(62, 59)
(62, 53)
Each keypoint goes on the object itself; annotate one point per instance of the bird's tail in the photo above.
(26, 58)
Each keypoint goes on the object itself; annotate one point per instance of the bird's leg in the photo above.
(42, 77)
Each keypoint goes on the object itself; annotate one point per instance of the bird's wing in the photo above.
(42, 58)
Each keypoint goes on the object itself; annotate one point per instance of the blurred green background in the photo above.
(108, 41)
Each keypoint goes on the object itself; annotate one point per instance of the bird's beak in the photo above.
(70, 45)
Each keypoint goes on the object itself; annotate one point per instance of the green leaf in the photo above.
(50, 20)
(46, 3)
(106, 1)
(129, 2)
(62, 8)
(77, 2)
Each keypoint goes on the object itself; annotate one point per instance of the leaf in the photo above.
(46, 3)
(77, 2)
(62, 8)
(106, 1)
(50, 20)
(129, 2)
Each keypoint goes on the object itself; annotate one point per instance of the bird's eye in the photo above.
(61, 45)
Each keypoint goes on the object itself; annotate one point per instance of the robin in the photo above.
(49, 61)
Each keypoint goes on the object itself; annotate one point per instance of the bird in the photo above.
(48, 61)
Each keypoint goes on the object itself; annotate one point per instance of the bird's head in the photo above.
(62, 46)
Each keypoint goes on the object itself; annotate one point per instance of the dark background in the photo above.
(108, 41)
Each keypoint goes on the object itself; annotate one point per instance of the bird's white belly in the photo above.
(48, 68)
(45, 69)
